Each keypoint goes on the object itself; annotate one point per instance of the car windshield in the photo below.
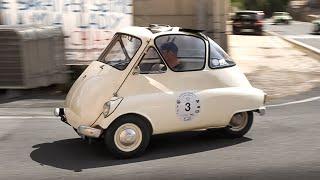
(121, 50)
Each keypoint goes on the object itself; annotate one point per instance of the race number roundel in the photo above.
(188, 106)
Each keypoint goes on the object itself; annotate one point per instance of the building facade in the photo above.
(88, 25)
(208, 15)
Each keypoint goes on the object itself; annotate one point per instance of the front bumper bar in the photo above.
(261, 111)
(59, 112)
(89, 131)
(82, 130)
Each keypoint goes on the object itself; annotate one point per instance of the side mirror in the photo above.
(136, 70)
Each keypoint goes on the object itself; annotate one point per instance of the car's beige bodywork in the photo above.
(218, 93)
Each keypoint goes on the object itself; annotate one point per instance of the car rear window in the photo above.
(248, 16)
(218, 58)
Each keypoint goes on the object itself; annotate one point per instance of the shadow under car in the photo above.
(76, 155)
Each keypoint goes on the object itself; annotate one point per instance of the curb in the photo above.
(314, 52)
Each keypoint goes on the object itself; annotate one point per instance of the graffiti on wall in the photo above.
(88, 24)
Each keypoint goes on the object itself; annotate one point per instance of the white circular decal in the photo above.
(188, 106)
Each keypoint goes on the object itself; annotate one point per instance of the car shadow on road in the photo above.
(76, 154)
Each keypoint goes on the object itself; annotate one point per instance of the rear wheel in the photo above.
(239, 125)
(127, 137)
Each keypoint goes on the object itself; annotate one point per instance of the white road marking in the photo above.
(28, 117)
(296, 102)
(303, 36)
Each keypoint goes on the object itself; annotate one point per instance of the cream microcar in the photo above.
(159, 79)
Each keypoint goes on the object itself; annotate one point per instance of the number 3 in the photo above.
(187, 107)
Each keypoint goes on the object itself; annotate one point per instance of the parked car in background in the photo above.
(281, 18)
(248, 22)
(155, 80)
(316, 26)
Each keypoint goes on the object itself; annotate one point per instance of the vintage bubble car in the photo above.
(155, 80)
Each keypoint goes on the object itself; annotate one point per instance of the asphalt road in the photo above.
(300, 31)
(284, 144)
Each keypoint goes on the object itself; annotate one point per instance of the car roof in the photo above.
(249, 11)
(280, 12)
(155, 30)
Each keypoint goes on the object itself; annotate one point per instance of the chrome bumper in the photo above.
(82, 130)
(261, 111)
(89, 131)
(59, 112)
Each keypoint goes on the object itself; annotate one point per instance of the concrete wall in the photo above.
(210, 15)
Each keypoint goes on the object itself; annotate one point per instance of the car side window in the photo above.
(151, 63)
(182, 52)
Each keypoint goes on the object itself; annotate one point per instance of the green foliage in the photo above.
(238, 3)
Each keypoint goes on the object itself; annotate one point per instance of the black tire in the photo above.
(227, 131)
(110, 133)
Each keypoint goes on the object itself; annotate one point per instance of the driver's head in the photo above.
(170, 46)
(169, 51)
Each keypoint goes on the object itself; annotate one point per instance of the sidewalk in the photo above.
(274, 65)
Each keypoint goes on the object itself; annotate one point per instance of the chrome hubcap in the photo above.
(239, 121)
(128, 137)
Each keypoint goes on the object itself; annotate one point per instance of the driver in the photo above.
(169, 52)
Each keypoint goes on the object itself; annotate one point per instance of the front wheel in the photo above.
(239, 125)
(127, 137)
